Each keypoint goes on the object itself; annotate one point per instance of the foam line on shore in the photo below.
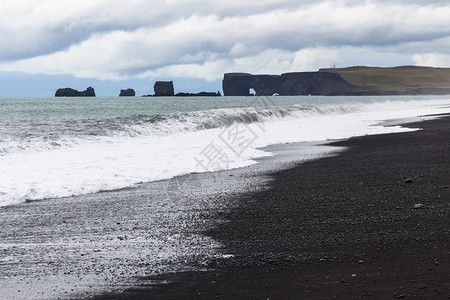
(341, 226)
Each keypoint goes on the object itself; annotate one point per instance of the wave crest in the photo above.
(64, 133)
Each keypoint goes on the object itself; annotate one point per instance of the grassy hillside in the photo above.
(398, 79)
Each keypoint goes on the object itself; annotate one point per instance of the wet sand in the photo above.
(372, 222)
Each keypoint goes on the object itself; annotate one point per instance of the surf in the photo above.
(74, 156)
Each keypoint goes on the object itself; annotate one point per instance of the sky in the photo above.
(113, 45)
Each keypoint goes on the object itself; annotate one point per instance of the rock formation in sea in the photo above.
(405, 80)
(127, 93)
(69, 92)
(201, 94)
(164, 88)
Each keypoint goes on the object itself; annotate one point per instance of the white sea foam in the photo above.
(166, 146)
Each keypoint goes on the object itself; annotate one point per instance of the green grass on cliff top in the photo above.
(396, 78)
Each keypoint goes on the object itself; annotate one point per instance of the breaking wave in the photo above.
(43, 136)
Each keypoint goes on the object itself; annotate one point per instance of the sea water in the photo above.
(59, 147)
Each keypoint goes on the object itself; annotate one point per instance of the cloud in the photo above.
(112, 40)
(432, 60)
(277, 62)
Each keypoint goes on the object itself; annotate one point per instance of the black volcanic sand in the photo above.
(372, 222)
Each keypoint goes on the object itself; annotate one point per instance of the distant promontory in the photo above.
(405, 80)
(69, 92)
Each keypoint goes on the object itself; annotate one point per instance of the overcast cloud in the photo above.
(119, 40)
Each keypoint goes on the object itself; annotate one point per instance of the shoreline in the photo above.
(81, 246)
(346, 226)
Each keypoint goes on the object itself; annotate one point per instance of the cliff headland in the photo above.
(404, 80)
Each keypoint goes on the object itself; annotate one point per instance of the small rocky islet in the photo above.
(69, 92)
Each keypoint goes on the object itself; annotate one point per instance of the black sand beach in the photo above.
(371, 222)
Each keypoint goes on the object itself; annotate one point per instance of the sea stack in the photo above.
(127, 93)
(164, 88)
(69, 92)
(201, 94)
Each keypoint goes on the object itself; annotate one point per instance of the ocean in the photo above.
(61, 147)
